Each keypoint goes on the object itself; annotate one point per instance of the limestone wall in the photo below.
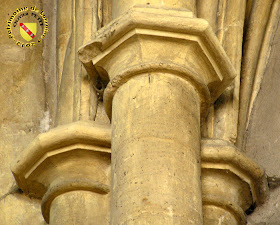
(27, 103)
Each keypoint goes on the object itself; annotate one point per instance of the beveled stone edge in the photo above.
(221, 152)
(88, 133)
(185, 25)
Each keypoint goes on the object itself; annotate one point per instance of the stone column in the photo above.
(232, 184)
(69, 168)
(76, 201)
(77, 23)
(85, 201)
(122, 6)
(165, 67)
(156, 151)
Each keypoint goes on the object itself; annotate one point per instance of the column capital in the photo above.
(230, 179)
(158, 40)
(75, 156)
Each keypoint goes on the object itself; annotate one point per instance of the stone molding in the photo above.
(75, 156)
(160, 29)
(177, 51)
(60, 187)
(231, 169)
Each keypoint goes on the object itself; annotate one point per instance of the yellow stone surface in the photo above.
(69, 158)
(155, 162)
(163, 74)
(104, 122)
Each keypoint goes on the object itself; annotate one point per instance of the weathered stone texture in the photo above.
(263, 134)
(22, 113)
(156, 161)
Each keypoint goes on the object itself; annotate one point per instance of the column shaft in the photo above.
(79, 208)
(213, 215)
(156, 152)
(121, 6)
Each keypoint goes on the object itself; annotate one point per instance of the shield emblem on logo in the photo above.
(28, 30)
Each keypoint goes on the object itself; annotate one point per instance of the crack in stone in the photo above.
(14, 189)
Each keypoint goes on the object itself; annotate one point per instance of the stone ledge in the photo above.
(143, 37)
(76, 150)
(250, 184)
